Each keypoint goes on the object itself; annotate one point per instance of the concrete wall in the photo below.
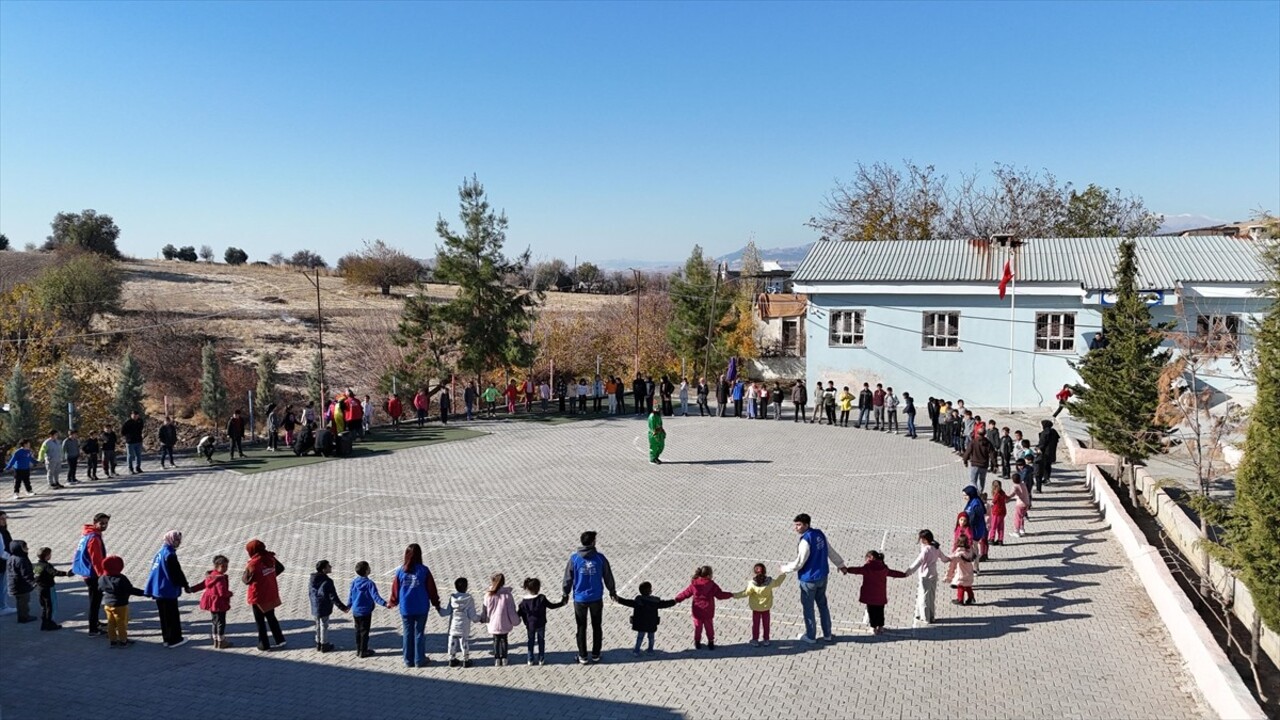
(978, 370)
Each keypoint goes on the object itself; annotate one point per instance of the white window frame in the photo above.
(1215, 333)
(857, 328)
(1065, 338)
(929, 337)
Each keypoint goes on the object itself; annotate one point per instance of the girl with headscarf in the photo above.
(263, 594)
(165, 585)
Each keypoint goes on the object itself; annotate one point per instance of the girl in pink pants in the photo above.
(704, 592)
(759, 594)
(1022, 503)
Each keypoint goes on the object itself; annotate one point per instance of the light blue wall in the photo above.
(978, 371)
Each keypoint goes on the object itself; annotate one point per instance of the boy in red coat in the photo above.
(874, 593)
(216, 599)
(704, 592)
(263, 594)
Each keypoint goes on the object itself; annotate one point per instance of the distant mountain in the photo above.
(787, 257)
(1186, 221)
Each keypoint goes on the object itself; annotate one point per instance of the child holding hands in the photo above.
(759, 594)
(215, 599)
(874, 592)
(704, 592)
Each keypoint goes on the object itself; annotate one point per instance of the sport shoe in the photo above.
(582, 660)
(754, 643)
(180, 643)
(595, 658)
(764, 643)
(806, 639)
(532, 662)
(828, 638)
(455, 662)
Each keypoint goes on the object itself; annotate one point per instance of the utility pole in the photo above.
(320, 328)
(711, 319)
(637, 291)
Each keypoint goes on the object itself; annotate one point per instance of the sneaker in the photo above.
(754, 643)
(806, 639)
(764, 643)
(532, 662)
(95, 633)
(542, 661)
(649, 651)
(467, 663)
(635, 653)
(281, 643)
(326, 647)
(711, 646)
(595, 658)
(697, 644)
(15, 496)
(455, 662)
(956, 602)
(582, 660)
(828, 638)
(180, 643)
(264, 647)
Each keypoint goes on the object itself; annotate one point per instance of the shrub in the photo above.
(80, 288)
(235, 256)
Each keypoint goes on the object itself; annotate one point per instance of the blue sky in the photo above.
(607, 130)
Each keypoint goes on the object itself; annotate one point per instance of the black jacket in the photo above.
(864, 399)
(644, 616)
(132, 430)
(89, 446)
(533, 610)
(108, 441)
(1047, 444)
(116, 590)
(722, 392)
(324, 596)
(21, 578)
(638, 387)
(168, 435)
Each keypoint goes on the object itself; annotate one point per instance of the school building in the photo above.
(926, 316)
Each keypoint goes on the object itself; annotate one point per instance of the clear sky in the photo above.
(607, 130)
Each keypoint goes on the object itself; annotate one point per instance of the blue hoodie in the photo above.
(22, 459)
(587, 575)
(363, 596)
(976, 511)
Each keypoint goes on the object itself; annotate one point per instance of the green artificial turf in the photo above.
(383, 440)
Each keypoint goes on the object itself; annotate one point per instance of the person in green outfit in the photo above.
(657, 435)
(491, 398)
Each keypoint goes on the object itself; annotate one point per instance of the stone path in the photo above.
(1061, 629)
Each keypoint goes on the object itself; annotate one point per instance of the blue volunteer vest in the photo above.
(80, 564)
(412, 588)
(815, 568)
(159, 584)
(588, 578)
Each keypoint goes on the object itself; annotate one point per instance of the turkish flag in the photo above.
(1004, 281)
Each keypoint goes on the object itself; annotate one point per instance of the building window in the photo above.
(846, 328)
(1056, 332)
(942, 331)
(791, 337)
(1218, 334)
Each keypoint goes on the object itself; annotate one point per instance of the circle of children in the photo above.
(587, 578)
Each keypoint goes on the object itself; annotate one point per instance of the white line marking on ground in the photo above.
(664, 549)
(412, 531)
(727, 557)
(459, 536)
(285, 512)
(884, 540)
(277, 528)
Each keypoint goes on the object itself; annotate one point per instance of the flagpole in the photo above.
(1013, 303)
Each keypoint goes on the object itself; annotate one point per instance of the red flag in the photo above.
(1004, 281)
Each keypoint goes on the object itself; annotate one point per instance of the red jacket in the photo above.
(394, 408)
(1064, 395)
(421, 401)
(875, 580)
(355, 411)
(217, 592)
(260, 576)
(94, 549)
(704, 592)
(999, 499)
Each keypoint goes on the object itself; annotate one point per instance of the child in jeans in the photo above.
(46, 575)
(323, 597)
(215, 599)
(874, 592)
(116, 591)
(361, 598)
(500, 609)
(960, 571)
(704, 592)
(462, 610)
(644, 615)
(533, 612)
(759, 594)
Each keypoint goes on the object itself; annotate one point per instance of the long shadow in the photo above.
(717, 462)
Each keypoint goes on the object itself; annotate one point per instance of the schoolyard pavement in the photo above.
(1061, 628)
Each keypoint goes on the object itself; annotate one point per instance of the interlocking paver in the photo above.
(1062, 628)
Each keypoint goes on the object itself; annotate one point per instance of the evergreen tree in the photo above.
(1119, 390)
(488, 322)
(1253, 535)
(315, 381)
(21, 421)
(265, 393)
(129, 390)
(66, 391)
(213, 393)
(698, 303)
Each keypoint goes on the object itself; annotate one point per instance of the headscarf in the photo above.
(255, 547)
(173, 538)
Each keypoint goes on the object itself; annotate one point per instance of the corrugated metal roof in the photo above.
(1163, 262)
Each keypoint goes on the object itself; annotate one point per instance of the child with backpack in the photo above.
(759, 594)
(461, 609)
(215, 599)
(644, 615)
(874, 592)
(361, 598)
(704, 591)
(533, 613)
(500, 611)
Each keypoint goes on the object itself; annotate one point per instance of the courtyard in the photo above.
(1061, 628)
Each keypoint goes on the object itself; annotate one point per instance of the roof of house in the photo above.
(1163, 262)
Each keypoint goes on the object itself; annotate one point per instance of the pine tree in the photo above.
(213, 393)
(315, 381)
(488, 322)
(1119, 391)
(129, 390)
(1253, 535)
(66, 392)
(265, 393)
(698, 303)
(20, 422)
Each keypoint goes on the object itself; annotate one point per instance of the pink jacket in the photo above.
(500, 609)
(704, 592)
(961, 570)
(875, 580)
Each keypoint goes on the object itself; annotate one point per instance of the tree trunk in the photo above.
(1206, 585)
(1133, 485)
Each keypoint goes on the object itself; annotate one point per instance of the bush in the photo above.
(169, 252)
(235, 256)
(80, 288)
(206, 253)
(307, 259)
(85, 231)
(187, 253)
(380, 266)
(4, 242)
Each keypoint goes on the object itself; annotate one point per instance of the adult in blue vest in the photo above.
(414, 591)
(813, 554)
(165, 584)
(587, 575)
